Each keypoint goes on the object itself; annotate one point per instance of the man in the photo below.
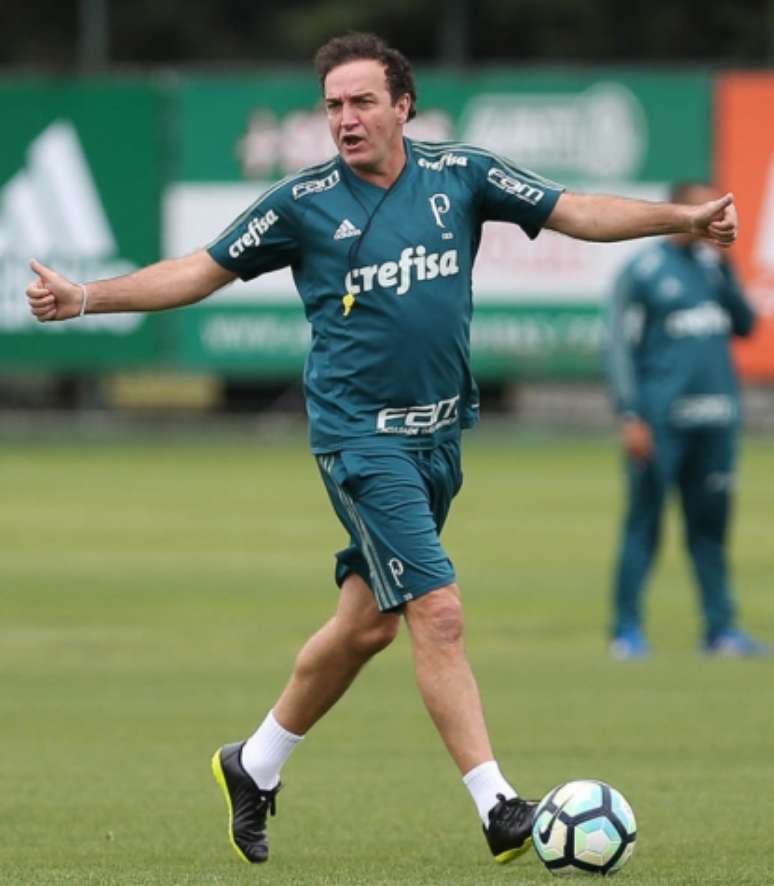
(381, 241)
(674, 310)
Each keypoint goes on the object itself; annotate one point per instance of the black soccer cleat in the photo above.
(509, 834)
(247, 804)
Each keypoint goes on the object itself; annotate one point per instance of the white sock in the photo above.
(266, 751)
(485, 782)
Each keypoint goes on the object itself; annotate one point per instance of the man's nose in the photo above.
(348, 115)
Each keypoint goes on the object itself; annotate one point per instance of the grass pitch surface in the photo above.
(152, 597)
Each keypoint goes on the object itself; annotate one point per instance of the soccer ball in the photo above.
(584, 826)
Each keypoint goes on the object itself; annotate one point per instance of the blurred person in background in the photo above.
(675, 308)
(381, 241)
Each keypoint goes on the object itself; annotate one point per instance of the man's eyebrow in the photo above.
(367, 93)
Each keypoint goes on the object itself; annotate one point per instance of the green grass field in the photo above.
(152, 596)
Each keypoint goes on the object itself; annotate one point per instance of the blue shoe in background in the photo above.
(734, 643)
(628, 644)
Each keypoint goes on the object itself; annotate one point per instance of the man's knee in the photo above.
(371, 638)
(437, 616)
(361, 626)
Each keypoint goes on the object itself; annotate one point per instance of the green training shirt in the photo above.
(671, 317)
(385, 279)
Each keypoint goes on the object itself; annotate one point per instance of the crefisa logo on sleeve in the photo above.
(252, 236)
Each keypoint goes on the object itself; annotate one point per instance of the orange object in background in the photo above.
(744, 164)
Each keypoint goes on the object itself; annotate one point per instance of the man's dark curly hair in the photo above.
(355, 46)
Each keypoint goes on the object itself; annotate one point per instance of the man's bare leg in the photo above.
(325, 668)
(323, 671)
(330, 659)
(451, 695)
(444, 676)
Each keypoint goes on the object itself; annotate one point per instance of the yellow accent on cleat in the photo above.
(220, 778)
(511, 854)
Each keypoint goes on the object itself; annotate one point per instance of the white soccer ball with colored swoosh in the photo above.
(584, 826)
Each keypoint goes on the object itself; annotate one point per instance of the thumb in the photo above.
(721, 203)
(41, 270)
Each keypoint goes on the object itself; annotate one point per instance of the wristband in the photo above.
(84, 299)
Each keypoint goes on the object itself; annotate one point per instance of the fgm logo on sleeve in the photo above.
(316, 185)
(514, 186)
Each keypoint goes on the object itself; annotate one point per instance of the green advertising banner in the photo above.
(98, 177)
(508, 340)
(80, 189)
(538, 305)
(626, 126)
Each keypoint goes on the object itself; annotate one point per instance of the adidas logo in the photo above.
(346, 229)
(52, 209)
(53, 204)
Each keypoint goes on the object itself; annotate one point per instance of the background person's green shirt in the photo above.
(672, 315)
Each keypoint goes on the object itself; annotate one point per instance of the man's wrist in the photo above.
(84, 299)
(686, 216)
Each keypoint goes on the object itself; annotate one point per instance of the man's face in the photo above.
(365, 124)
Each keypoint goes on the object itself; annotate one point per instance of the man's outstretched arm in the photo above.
(166, 284)
(604, 218)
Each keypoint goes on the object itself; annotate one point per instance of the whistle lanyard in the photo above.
(348, 299)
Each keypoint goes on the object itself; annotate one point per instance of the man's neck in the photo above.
(385, 175)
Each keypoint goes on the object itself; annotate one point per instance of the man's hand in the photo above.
(716, 221)
(51, 296)
(637, 439)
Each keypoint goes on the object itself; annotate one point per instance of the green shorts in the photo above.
(394, 503)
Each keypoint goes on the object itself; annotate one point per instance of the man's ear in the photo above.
(403, 106)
